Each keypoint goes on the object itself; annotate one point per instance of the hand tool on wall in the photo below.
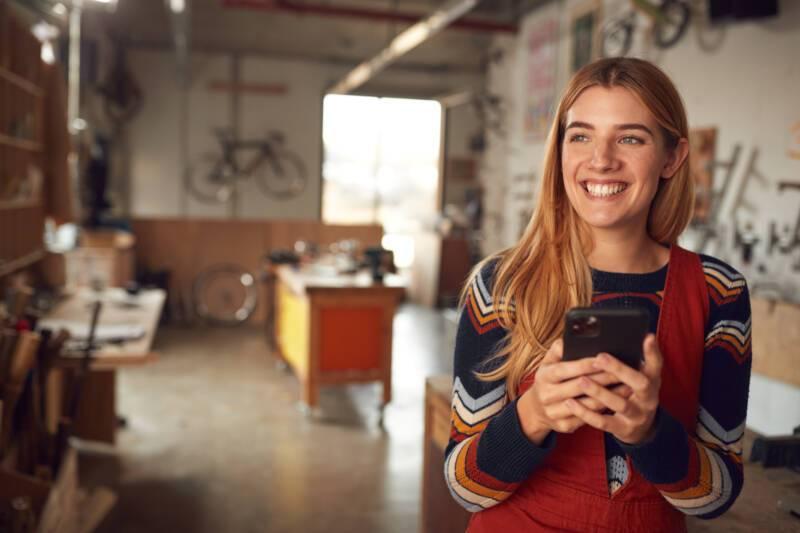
(718, 196)
(8, 339)
(17, 300)
(74, 396)
(30, 415)
(22, 360)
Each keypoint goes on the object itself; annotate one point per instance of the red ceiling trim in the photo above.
(363, 13)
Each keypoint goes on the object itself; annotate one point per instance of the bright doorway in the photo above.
(381, 166)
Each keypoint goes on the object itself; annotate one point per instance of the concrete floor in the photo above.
(216, 443)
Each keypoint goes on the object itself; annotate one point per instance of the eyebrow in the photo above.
(631, 126)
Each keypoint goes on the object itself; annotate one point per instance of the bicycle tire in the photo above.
(282, 176)
(617, 37)
(235, 277)
(205, 183)
(670, 30)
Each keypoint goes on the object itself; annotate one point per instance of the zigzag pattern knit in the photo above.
(700, 474)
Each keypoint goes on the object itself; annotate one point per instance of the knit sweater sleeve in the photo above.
(701, 474)
(488, 455)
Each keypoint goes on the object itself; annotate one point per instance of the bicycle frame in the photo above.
(231, 155)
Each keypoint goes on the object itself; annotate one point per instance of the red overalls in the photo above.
(569, 492)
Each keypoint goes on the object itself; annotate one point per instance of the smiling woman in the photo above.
(614, 156)
(540, 442)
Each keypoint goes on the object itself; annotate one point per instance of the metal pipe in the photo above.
(365, 14)
(402, 44)
(74, 102)
(74, 74)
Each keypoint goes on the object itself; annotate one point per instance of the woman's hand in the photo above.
(542, 407)
(632, 419)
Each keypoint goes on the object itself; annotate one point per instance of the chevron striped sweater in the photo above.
(699, 473)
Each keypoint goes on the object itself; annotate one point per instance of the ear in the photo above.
(675, 159)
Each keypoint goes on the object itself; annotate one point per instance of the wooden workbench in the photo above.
(97, 416)
(335, 329)
(440, 513)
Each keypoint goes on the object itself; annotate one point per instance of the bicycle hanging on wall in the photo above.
(278, 172)
(669, 21)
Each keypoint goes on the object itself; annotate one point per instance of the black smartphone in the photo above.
(616, 331)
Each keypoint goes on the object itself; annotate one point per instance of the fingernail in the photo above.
(584, 382)
(599, 361)
(570, 403)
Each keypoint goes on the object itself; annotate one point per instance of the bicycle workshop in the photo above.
(239, 240)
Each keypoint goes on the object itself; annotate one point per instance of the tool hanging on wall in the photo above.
(747, 239)
(76, 386)
(22, 360)
(709, 229)
(30, 415)
(120, 91)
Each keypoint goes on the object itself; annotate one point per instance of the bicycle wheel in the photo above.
(283, 175)
(210, 179)
(673, 23)
(618, 37)
(225, 295)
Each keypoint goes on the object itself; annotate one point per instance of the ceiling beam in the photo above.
(384, 15)
(403, 43)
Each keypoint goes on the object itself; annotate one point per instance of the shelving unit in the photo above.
(21, 139)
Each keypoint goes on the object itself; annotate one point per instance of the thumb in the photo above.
(555, 353)
(653, 360)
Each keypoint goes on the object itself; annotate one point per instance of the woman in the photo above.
(541, 444)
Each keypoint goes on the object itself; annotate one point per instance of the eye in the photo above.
(630, 139)
(578, 137)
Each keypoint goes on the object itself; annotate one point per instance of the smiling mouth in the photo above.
(605, 190)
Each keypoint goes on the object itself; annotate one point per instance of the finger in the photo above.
(613, 401)
(592, 418)
(571, 388)
(559, 411)
(604, 378)
(622, 390)
(554, 353)
(653, 360)
(565, 370)
(635, 379)
(568, 425)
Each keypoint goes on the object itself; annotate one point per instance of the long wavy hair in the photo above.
(547, 272)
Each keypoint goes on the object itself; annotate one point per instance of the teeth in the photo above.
(605, 190)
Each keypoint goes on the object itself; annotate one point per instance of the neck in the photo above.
(626, 253)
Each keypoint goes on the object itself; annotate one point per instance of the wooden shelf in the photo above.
(20, 82)
(6, 205)
(24, 144)
(25, 261)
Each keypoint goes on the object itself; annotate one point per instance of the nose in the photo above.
(602, 157)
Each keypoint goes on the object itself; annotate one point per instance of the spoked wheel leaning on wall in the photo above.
(225, 294)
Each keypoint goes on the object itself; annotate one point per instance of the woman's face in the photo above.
(613, 156)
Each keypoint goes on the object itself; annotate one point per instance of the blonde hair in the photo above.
(546, 272)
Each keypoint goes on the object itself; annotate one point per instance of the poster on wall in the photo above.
(794, 144)
(542, 44)
(584, 25)
(702, 148)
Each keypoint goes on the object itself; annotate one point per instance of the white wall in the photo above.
(154, 136)
(747, 88)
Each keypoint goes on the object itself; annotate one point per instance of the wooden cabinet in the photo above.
(21, 177)
(441, 267)
(440, 513)
(335, 329)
